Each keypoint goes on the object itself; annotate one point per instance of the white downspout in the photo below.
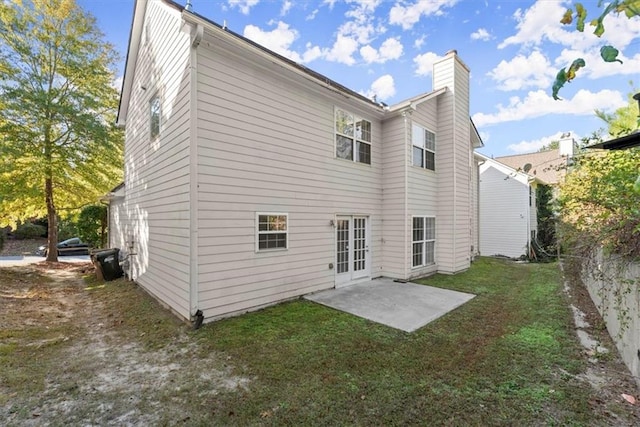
(196, 37)
(406, 258)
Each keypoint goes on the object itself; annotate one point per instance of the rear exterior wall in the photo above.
(266, 145)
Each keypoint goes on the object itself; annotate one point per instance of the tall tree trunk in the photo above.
(52, 252)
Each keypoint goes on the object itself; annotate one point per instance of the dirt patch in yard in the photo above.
(614, 386)
(70, 357)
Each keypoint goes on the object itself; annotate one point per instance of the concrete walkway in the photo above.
(404, 306)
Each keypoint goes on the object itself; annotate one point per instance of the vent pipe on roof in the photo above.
(188, 6)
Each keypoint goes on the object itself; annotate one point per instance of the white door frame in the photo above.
(352, 246)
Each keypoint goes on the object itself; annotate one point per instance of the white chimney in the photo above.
(567, 145)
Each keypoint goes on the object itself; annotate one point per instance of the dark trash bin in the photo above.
(109, 262)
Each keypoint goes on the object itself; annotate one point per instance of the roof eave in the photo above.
(299, 69)
(412, 103)
(135, 35)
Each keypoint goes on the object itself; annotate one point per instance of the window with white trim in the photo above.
(353, 137)
(155, 113)
(424, 147)
(272, 231)
(423, 250)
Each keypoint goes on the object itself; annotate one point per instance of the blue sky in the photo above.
(514, 48)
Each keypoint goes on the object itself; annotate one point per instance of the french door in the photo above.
(353, 258)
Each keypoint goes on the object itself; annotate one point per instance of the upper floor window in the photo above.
(154, 116)
(353, 137)
(271, 231)
(424, 147)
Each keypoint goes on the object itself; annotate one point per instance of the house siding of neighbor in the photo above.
(243, 199)
(508, 211)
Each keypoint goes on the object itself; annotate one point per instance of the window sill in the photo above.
(352, 162)
(268, 251)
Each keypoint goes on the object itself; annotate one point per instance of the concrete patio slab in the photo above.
(404, 306)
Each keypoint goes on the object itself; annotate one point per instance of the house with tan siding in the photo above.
(250, 179)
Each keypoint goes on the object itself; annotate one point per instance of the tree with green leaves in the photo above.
(578, 15)
(92, 225)
(600, 199)
(60, 149)
(624, 120)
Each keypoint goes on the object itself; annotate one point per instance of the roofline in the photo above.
(130, 62)
(412, 103)
(622, 143)
(498, 163)
(529, 154)
(298, 68)
(139, 10)
(475, 130)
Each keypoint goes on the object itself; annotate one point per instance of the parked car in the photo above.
(73, 246)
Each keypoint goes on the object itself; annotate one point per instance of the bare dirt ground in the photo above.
(74, 366)
(617, 391)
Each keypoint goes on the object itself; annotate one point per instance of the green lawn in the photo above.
(507, 357)
(502, 358)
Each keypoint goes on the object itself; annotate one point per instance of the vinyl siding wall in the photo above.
(422, 184)
(266, 144)
(396, 134)
(504, 205)
(157, 172)
(453, 233)
(117, 223)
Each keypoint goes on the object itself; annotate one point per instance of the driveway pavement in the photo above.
(9, 261)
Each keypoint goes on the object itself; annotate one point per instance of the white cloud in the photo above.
(424, 63)
(542, 22)
(524, 72)
(278, 40)
(419, 42)
(244, 5)
(312, 53)
(485, 136)
(535, 145)
(342, 50)
(540, 103)
(407, 16)
(390, 49)
(360, 25)
(286, 6)
(312, 15)
(117, 83)
(383, 88)
(481, 34)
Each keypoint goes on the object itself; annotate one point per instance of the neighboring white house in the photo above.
(251, 179)
(508, 219)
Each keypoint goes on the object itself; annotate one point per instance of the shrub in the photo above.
(29, 231)
(67, 228)
(92, 225)
(599, 205)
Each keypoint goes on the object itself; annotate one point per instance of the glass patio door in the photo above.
(353, 260)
